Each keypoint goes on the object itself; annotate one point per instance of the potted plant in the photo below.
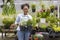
(32, 24)
(53, 22)
(34, 21)
(52, 19)
(56, 28)
(43, 27)
(7, 22)
(56, 8)
(8, 7)
(29, 25)
(52, 7)
(33, 6)
(38, 36)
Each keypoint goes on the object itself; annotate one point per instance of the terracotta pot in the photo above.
(35, 38)
(30, 38)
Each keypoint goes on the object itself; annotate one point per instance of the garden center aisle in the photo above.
(40, 10)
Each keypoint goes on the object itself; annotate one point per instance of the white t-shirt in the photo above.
(22, 17)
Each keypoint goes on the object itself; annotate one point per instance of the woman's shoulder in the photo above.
(30, 16)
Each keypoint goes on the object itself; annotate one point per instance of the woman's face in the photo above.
(25, 9)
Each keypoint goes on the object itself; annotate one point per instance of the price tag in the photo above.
(42, 20)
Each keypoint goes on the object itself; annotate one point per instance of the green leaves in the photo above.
(52, 19)
(8, 21)
(56, 29)
(29, 23)
(43, 26)
(34, 22)
(9, 10)
(38, 14)
(43, 14)
(52, 6)
(33, 6)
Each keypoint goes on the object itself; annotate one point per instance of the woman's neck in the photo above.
(25, 13)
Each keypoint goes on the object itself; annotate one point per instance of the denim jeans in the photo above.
(23, 35)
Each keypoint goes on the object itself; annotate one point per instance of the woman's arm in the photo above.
(16, 22)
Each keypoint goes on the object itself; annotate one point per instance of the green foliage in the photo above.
(7, 10)
(43, 26)
(34, 22)
(37, 35)
(52, 19)
(8, 21)
(33, 6)
(43, 14)
(38, 14)
(55, 28)
(52, 7)
(29, 22)
(43, 6)
(38, 19)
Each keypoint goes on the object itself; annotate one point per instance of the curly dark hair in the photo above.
(22, 6)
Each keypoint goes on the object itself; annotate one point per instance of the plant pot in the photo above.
(52, 10)
(29, 28)
(36, 38)
(56, 8)
(33, 10)
(33, 32)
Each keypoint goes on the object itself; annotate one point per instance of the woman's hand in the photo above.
(12, 26)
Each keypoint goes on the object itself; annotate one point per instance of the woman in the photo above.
(23, 35)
